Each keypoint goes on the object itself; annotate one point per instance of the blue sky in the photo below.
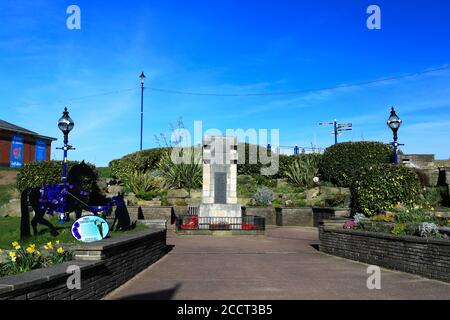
(225, 47)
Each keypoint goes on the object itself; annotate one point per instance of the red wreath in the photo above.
(191, 224)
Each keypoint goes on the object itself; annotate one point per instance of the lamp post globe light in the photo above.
(142, 77)
(65, 124)
(394, 122)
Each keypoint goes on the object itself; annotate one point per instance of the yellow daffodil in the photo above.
(60, 250)
(45, 247)
(38, 252)
(57, 241)
(12, 254)
(16, 245)
(30, 250)
(50, 245)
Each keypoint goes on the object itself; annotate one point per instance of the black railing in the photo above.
(221, 223)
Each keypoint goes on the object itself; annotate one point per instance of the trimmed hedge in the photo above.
(38, 173)
(141, 161)
(147, 160)
(340, 161)
(381, 187)
(254, 170)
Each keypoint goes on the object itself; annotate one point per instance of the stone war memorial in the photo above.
(220, 210)
(219, 199)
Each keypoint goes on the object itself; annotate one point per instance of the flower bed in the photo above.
(428, 257)
(20, 259)
(104, 265)
(413, 222)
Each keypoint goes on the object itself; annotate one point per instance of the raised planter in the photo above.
(425, 257)
(323, 213)
(104, 266)
(267, 212)
(295, 217)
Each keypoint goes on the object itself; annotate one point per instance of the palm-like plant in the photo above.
(139, 182)
(302, 171)
(181, 175)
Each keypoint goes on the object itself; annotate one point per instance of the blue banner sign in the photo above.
(41, 150)
(16, 160)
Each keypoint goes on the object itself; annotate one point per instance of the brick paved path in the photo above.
(281, 265)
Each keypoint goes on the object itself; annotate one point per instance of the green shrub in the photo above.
(147, 195)
(38, 173)
(300, 203)
(277, 203)
(340, 161)
(249, 168)
(415, 216)
(142, 161)
(247, 185)
(335, 200)
(254, 169)
(164, 198)
(104, 172)
(139, 183)
(264, 196)
(184, 175)
(433, 197)
(382, 187)
(399, 229)
(303, 169)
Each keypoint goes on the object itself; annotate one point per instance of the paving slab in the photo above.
(283, 264)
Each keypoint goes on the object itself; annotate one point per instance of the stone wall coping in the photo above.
(110, 243)
(387, 236)
(331, 208)
(39, 276)
(146, 206)
(107, 269)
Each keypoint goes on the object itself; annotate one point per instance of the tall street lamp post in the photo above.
(65, 124)
(394, 122)
(142, 77)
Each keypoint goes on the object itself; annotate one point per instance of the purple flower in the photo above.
(349, 224)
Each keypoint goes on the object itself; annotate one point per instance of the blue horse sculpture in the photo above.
(65, 198)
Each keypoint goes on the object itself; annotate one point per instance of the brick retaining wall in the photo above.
(105, 265)
(425, 257)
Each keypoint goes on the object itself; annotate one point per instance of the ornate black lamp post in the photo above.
(65, 124)
(394, 122)
(142, 77)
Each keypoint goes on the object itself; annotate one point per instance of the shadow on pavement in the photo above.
(169, 247)
(157, 295)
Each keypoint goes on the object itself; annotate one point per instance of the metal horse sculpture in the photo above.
(63, 199)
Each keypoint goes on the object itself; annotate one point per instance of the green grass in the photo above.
(5, 193)
(8, 169)
(288, 188)
(104, 172)
(10, 231)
